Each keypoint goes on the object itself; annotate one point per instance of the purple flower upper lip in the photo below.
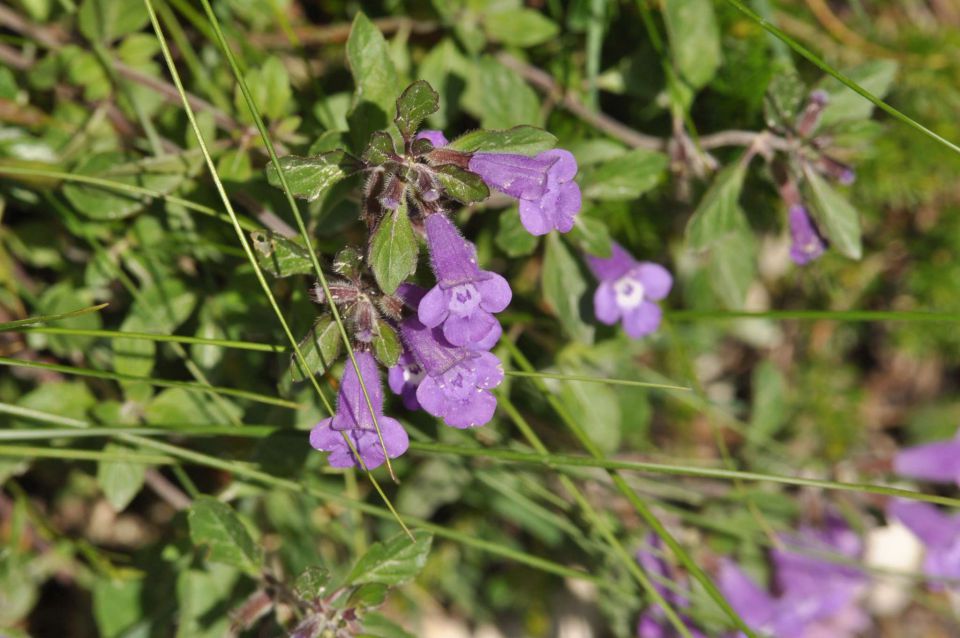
(806, 242)
(465, 296)
(456, 382)
(627, 291)
(353, 418)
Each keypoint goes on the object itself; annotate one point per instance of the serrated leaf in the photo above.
(310, 177)
(592, 236)
(694, 39)
(393, 249)
(719, 211)
(119, 480)
(564, 289)
(374, 73)
(279, 256)
(348, 262)
(214, 525)
(414, 105)
(625, 177)
(838, 219)
(394, 561)
(461, 184)
(380, 148)
(386, 345)
(524, 140)
(311, 583)
(784, 97)
(520, 27)
(512, 237)
(320, 348)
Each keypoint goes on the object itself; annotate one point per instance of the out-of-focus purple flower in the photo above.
(817, 598)
(806, 242)
(404, 378)
(937, 462)
(653, 621)
(437, 138)
(353, 418)
(627, 291)
(465, 296)
(457, 381)
(549, 198)
(939, 533)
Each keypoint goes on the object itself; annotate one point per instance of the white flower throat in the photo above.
(629, 292)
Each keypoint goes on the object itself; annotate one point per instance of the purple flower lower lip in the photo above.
(353, 418)
(627, 291)
(465, 297)
(806, 242)
(457, 381)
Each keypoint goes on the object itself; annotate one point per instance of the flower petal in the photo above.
(656, 280)
(534, 218)
(938, 462)
(489, 370)
(564, 168)
(477, 410)
(605, 304)
(467, 331)
(642, 320)
(437, 138)
(929, 524)
(613, 267)
(431, 397)
(434, 307)
(495, 293)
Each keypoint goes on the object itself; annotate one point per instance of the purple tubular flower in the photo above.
(937, 462)
(940, 534)
(465, 297)
(457, 381)
(549, 198)
(653, 621)
(404, 378)
(818, 598)
(806, 242)
(627, 291)
(353, 418)
(437, 138)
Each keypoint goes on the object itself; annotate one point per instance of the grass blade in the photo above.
(30, 321)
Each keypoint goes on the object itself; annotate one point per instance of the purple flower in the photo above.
(653, 621)
(817, 599)
(404, 378)
(627, 291)
(937, 462)
(353, 418)
(940, 534)
(549, 198)
(457, 381)
(465, 296)
(806, 242)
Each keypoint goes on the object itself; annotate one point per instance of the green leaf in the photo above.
(215, 525)
(625, 177)
(270, 89)
(499, 97)
(769, 413)
(520, 27)
(393, 249)
(461, 185)
(117, 605)
(380, 149)
(380, 626)
(719, 211)
(202, 595)
(512, 237)
(106, 20)
(592, 236)
(135, 357)
(374, 74)
(564, 287)
(733, 266)
(694, 39)
(415, 104)
(177, 407)
(320, 348)
(119, 480)
(844, 104)
(279, 256)
(524, 140)
(106, 204)
(310, 177)
(595, 404)
(392, 562)
(386, 345)
(348, 262)
(784, 98)
(61, 298)
(311, 583)
(368, 596)
(837, 218)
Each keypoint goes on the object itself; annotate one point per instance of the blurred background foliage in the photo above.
(115, 539)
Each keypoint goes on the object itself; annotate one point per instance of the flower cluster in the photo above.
(435, 342)
(814, 597)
